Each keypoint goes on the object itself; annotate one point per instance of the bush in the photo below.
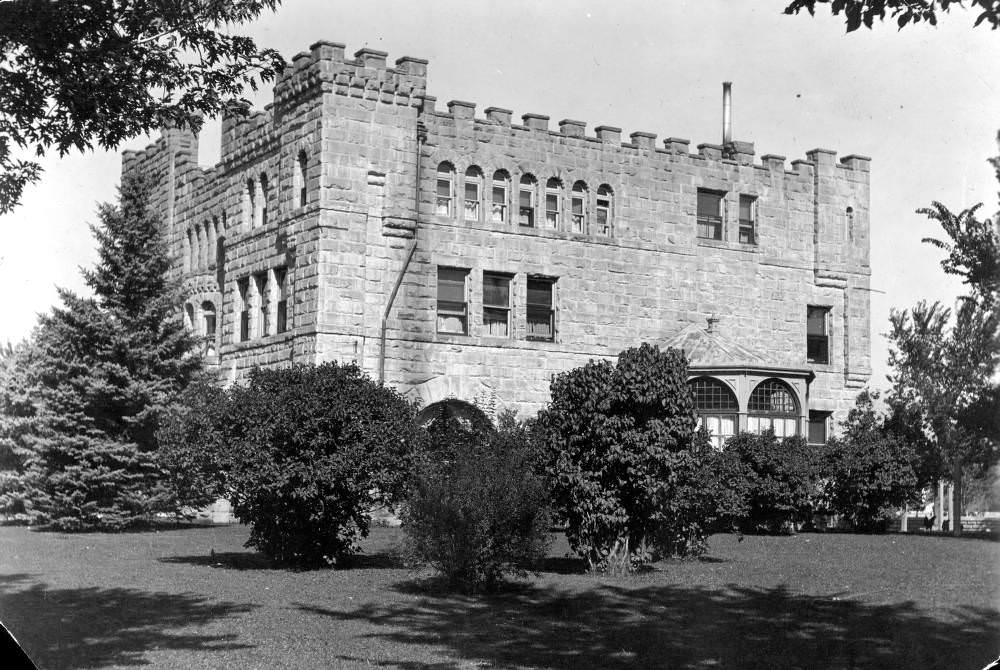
(480, 512)
(612, 434)
(303, 453)
(194, 448)
(870, 471)
(779, 480)
(697, 500)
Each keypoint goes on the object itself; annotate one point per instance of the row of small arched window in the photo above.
(201, 239)
(535, 207)
(257, 195)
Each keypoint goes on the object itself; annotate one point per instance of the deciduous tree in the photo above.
(85, 73)
(903, 12)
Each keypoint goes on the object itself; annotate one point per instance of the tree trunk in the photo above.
(956, 500)
(903, 521)
(938, 505)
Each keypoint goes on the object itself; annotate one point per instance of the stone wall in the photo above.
(356, 124)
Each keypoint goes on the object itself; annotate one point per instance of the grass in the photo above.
(195, 598)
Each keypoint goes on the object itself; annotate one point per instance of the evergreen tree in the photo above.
(18, 417)
(107, 369)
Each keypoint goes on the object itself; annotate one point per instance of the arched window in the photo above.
(501, 196)
(208, 326)
(773, 406)
(850, 223)
(205, 245)
(186, 252)
(300, 178)
(605, 209)
(196, 237)
(250, 205)
(473, 193)
(445, 190)
(213, 242)
(553, 202)
(718, 410)
(578, 207)
(526, 201)
(263, 199)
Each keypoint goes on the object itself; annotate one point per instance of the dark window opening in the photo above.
(541, 315)
(452, 307)
(710, 215)
(818, 422)
(496, 304)
(818, 335)
(748, 220)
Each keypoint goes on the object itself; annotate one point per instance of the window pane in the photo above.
(525, 198)
(816, 320)
(496, 290)
(540, 293)
(746, 208)
(709, 204)
(577, 206)
(496, 322)
(817, 427)
(451, 284)
(471, 191)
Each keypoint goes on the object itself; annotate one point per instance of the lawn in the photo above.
(195, 598)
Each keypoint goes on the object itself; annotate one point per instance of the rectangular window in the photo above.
(818, 334)
(496, 304)
(526, 209)
(818, 422)
(471, 200)
(541, 315)
(444, 196)
(499, 201)
(552, 210)
(281, 293)
(710, 215)
(209, 324)
(261, 325)
(748, 219)
(578, 207)
(452, 308)
(243, 294)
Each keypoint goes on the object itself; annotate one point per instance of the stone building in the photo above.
(469, 258)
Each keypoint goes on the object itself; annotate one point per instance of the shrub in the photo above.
(611, 435)
(194, 447)
(870, 471)
(481, 512)
(779, 480)
(698, 498)
(304, 454)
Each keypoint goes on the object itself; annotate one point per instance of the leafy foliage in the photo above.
(193, 447)
(973, 252)
(482, 512)
(869, 469)
(104, 372)
(611, 433)
(903, 12)
(78, 74)
(303, 453)
(779, 480)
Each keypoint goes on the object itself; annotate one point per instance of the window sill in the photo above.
(253, 343)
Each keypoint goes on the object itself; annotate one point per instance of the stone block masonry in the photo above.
(519, 250)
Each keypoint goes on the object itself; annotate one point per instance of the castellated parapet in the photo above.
(467, 256)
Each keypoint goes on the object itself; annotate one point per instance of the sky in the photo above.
(923, 102)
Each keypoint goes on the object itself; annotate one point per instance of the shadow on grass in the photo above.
(227, 560)
(252, 560)
(96, 627)
(611, 626)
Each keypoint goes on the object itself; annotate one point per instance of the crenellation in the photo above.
(351, 180)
